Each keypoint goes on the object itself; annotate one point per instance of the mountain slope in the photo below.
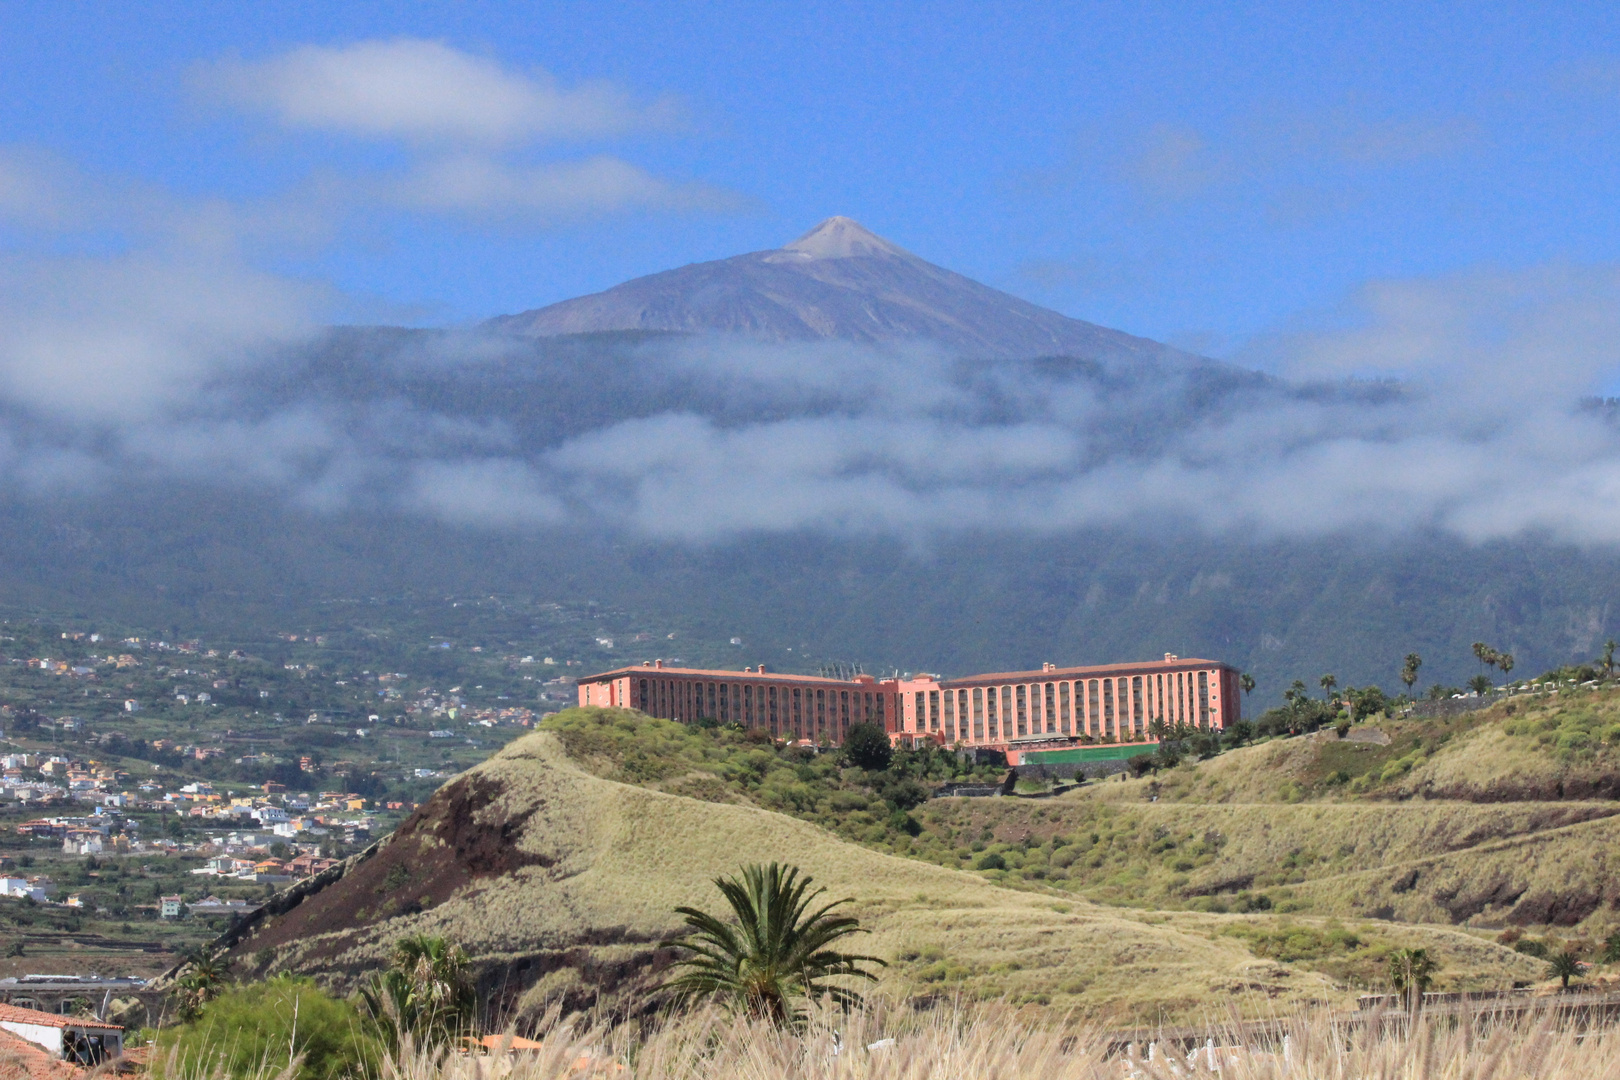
(838, 281)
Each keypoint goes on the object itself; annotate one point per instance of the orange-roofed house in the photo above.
(23, 1060)
(76, 1040)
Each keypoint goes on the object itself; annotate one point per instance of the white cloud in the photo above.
(121, 337)
(423, 91)
(468, 127)
(481, 186)
(490, 493)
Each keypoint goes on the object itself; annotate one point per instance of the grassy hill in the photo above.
(1486, 820)
(560, 881)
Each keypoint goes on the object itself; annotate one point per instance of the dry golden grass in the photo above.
(1280, 817)
(985, 1042)
(619, 859)
(622, 858)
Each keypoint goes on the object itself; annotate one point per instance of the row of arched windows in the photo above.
(787, 712)
(1116, 708)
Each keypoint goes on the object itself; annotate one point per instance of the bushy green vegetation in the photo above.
(731, 764)
(1581, 728)
(259, 1028)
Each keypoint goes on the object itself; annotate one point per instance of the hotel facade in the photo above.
(1011, 711)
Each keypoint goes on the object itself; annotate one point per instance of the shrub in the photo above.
(1531, 947)
(250, 1029)
(867, 747)
(903, 793)
(992, 861)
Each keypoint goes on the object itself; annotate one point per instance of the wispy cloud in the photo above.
(479, 139)
(1296, 168)
(423, 91)
(484, 187)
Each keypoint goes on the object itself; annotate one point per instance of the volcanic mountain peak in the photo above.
(839, 281)
(843, 238)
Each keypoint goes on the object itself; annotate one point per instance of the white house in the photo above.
(79, 1039)
(39, 888)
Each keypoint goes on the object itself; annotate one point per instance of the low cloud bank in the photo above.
(141, 340)
(1462, 405)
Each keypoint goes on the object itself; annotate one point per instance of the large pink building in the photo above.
(1053, 707)
(1008, 711)
(798, 707)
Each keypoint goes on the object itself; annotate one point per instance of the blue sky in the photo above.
(1196, 173)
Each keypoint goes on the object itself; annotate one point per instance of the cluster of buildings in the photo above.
(56, 776)
(255, 866)
(255, 822)
(1013, 712)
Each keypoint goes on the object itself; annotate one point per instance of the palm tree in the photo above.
(1410, 972)
(1505, 662)
(1246, 681)
(206, 971)
(1566, 966)
(1409, 671)
(426, 992)
(1328, 682)
(1480, 684)
(1159, 730)
(775, 954)
(1608, 657)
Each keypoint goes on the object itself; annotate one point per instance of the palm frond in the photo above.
(776, 951)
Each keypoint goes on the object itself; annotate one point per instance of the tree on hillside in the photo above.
(867, 747)
(1480, 684)
(1246, 681)
(1411, 971)
(1608, 657)
(1505, 662)
(1409, 671)
(1566, 966)
(1611, 948)
(777, 951)
(1368, 702)
(426, 992)
(202, 980)
(1328, 682)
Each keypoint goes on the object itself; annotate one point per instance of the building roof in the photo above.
(23, 1060)
(1181, 663)
(16, 1014)
(706, 673)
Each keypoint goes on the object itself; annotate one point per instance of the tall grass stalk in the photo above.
(989, 1042)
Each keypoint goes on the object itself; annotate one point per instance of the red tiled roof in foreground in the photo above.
(511, 1042)
(16, 1014)
(23, 1060)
